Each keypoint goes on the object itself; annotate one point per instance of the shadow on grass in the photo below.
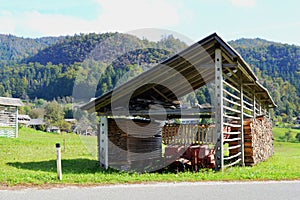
(72, 166)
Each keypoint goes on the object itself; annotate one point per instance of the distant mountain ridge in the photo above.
(37, 68)
(14, 49)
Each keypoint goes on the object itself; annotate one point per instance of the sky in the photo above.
(274, 20)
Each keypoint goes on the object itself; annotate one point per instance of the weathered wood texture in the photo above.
(188, 134)
(8, 121)
(258, 140)
(133, 143)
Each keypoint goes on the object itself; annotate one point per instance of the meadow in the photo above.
(30, 160)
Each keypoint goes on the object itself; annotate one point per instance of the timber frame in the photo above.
(9, 116)
(237, 92)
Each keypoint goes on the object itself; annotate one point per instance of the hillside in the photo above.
(278, 68)
(43, 74)
(48, 67)
(14, 49)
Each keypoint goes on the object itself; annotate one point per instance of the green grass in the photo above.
(279, 132)
(31, 160)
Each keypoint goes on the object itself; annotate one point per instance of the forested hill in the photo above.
(52, 71)
(48, 67)
(278, 68)
(76, 48)
(14, 49)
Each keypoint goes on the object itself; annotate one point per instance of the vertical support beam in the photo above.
(103, 142)
(254, 105)
(16, 123)
(260, 109)
(242, 120)
(219, 156)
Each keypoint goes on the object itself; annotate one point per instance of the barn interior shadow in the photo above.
(74, 166)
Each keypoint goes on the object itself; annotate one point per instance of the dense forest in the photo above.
(278, 68)
(48, 68)
(13, 49)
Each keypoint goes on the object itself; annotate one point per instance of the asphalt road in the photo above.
(283, 190)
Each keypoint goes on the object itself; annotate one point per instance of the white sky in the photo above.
(268, 19)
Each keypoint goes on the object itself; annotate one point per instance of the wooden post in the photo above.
(242, 120)
(103, 141)
(58, 161)
(219, 157)
(260, 109)
(16, 123)
(254, 105)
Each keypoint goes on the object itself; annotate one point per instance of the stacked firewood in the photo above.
(258, 140)
(133, 143)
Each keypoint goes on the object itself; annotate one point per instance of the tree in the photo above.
(37, 113)
(24, 110)
(288, 135)
(54, 114)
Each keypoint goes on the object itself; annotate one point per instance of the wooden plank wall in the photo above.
(8, 121)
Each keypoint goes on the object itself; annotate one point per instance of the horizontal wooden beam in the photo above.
(166, 111)
(230, 65)
(249, 84)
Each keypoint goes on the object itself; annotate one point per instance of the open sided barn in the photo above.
(9, 116)
(145, 125)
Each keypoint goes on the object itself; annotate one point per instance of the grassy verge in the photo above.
(280, 134)
(31, 159)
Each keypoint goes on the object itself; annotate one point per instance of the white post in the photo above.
(242, 149)
(219, 110)
(103, 147)
(16, 122)
(254, 105)
(58, 161)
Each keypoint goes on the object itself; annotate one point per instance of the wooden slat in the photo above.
(246, 108)
(248, 104)
(250, 116)
(231, 109)
(231, 117)
(247, 97)
(231, 86)
(234, 156)
(232, 133)
(232, 95)
(233, 147)
(234, 163)
(232, 125)
(232, 102)
(232, 139)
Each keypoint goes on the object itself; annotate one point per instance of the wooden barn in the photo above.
(9, 116)
(145, 125)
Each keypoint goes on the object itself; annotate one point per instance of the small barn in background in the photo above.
(9, 116)
(144, 125)
(38, 124)
(24, 120)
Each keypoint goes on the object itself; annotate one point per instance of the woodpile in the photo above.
(134, 145)
(258, 140)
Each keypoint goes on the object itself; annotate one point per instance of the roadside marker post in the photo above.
(58, 161)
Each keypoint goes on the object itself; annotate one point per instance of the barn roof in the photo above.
(177, 76)
(5, 101)
(38, 121)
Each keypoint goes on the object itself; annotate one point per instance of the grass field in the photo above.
(279, 132)
(31, 160)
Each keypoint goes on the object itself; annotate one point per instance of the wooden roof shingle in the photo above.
(6, 101)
